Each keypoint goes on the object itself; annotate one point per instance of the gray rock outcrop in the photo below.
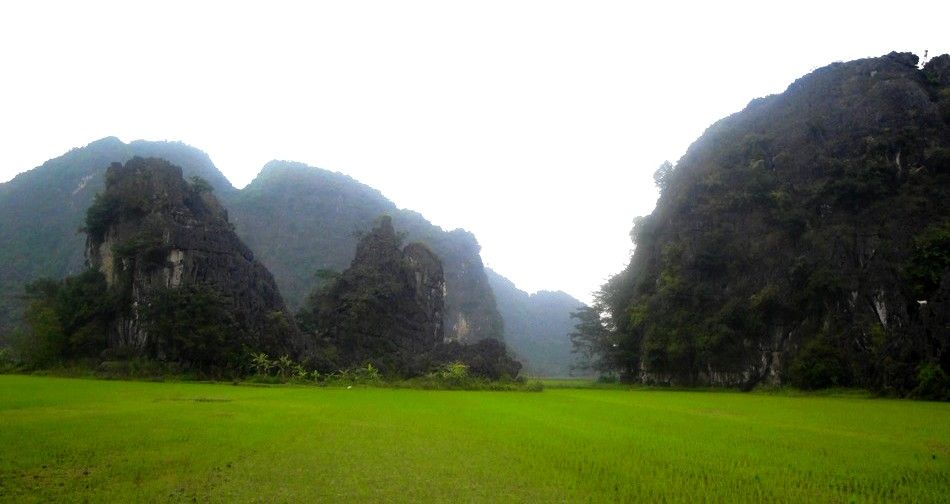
(151, 233)
(385, 309)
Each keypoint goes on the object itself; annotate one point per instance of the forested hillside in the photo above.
(168, 280)
(42, 210)
(537, 326)
(297, 219)
(303, 220)
(804, 240)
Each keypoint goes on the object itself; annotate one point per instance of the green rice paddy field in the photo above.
(89, 440)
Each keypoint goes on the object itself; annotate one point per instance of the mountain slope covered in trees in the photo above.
(41, 211)
(168, 280)
(302, 220)
(537, 326)
(298, 220)
(804, 240)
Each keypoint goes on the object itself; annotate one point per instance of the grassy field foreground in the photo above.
(75, 440)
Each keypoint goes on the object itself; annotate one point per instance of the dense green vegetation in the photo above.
(386, 311)
(66, 320)
(169, 282)
(372, 313)
(42, 209)
(301, 220)
(803, 240)
(297, 219)
(69, 322)
(182, 295)
(92, 440)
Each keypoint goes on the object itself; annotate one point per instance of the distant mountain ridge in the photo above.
(300, 220)
(296, 219)
(537, 326)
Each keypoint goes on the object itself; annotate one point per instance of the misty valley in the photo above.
(781, 331)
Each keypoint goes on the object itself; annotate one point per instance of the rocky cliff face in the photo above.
(805, 239)
(385, 309)
(157, 238)
(471, 311)
(428, 284)
(300, 219)
(40, 211)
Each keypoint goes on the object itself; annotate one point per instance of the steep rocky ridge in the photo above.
(805, 239)
(385, 309)
(156, 237)
(297, 219)
(300, 220)
(41, 211)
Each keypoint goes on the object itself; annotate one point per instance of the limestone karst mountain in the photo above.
(165, 246)
(298, 221)
(41, 211)
(385, 309)
(301, 220)
(804, 240)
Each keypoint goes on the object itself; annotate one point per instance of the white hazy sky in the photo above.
(535, 125)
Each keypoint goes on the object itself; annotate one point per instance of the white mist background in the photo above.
(535, 125)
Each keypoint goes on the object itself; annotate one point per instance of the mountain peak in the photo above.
(156, 237)
(109, 141)
(789, 236)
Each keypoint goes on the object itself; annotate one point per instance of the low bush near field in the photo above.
(452, 376)
(7, 362)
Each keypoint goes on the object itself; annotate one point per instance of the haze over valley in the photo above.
(491, 252)
(535, 121)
